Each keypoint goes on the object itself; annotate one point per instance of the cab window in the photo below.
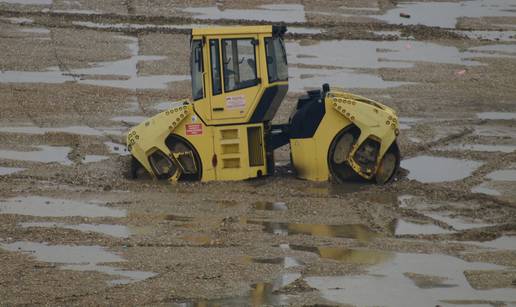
(239, 63)
(215, 66)
(277, 66)
(196, 66)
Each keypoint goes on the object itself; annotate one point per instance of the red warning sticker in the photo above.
(193, 129)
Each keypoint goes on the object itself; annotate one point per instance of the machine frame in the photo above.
(239, 79)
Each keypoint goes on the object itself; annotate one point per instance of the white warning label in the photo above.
(235, 102)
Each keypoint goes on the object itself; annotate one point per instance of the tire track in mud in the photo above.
(461, 191)
(420, 148)
(444, 193)
(60, 63)
(65, 70)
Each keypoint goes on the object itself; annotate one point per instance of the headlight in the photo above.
(162, 165)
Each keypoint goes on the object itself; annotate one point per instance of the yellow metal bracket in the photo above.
(374, 121)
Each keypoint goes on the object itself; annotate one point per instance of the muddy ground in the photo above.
(75, 230)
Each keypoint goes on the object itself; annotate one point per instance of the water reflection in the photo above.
(353, 231)
(392, 282)
(261, 294)
(285, 262)
(347, 255)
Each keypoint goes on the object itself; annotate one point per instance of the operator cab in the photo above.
(239, 75)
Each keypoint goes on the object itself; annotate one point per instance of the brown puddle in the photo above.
(353, 231)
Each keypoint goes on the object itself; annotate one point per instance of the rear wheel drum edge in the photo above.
(173, 139)
(342, 172)
(389, 165)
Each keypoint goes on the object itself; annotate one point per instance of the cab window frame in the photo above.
(270, 41)
(202, 71)
(215, 42)
(247, 83)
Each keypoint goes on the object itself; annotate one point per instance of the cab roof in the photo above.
(235, 30)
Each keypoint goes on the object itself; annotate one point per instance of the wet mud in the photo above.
(76, 230)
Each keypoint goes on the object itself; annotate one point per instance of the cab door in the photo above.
(200, 79)
(234, 70)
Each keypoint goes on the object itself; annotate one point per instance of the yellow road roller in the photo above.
(224, 132)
